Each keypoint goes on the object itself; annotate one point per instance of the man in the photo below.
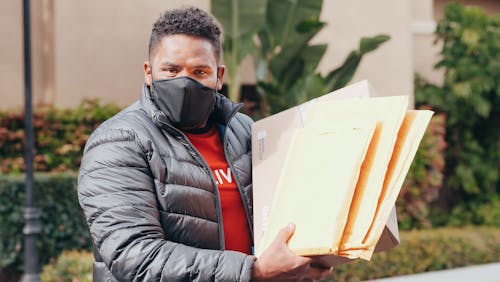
(166, 184)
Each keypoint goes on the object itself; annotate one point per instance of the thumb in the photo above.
(286, 233)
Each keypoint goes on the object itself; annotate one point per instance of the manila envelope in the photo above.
(271, 138)
(388, 113)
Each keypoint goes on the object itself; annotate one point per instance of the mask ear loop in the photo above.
(151, 95)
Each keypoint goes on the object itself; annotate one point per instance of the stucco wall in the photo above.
(388, 68)
(11, 58)
(92, 48)
(101, 47)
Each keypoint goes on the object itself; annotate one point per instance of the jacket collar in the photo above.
(224, 110)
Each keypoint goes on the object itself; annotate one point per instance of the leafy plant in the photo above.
(419, 251)
(303, 85)
(427, 250)
(60, 136)
(61, 218)
(470, 97)
(70, 266)
(280, 32)
(484, 214)
(240, 19)
(287, 62)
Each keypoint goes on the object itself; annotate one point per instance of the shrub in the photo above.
(487, 214)
(470, 97)
(60, 136)
(70, 266)
(427, 250)
(62, 222)
(419, 251)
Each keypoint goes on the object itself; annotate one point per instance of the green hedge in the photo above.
(427, 250)
(60, 135)
(64, 228)
(420, 251)
(62, 221)
(71, 266)
(474, 213)
(470, 97)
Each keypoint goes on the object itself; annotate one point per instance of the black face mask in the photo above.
(186, 102)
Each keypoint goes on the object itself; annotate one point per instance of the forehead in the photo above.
(184, 49)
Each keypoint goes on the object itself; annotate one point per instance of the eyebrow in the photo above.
(165, 63)
(202, 67)
(170, 64)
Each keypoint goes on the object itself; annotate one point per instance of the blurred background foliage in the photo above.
(61, 219)
(469, 97)
(426, 250)
(453, 181)
(60, 135)
(420, 251)
(277, 35)
(71, 265)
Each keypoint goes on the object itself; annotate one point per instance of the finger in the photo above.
(303, 262)
(286, 233)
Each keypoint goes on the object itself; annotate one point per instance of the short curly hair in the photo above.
(186, 20)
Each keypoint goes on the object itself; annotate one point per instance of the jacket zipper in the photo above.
(245, 206)
(183, 139)
(206, 168)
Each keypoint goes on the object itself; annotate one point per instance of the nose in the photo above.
(183, 73)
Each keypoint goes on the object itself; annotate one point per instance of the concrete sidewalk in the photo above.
(478, 273)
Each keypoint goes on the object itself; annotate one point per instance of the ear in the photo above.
(220, 77)
(148, 78)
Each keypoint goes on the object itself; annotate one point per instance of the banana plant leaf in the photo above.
(287, 20)
(340, 76)
(240, 20)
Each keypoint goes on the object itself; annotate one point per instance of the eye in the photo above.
(171, 70)
(200, 72)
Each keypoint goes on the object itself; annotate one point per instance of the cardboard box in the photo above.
(271, 138)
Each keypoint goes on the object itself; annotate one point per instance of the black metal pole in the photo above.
(31, 227)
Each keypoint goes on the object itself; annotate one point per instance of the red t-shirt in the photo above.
(236, 229)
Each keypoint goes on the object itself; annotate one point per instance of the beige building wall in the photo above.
(11, 56)
(425, 51)
(80, 49)
(101, 47)
(389, 68)
(96, 49)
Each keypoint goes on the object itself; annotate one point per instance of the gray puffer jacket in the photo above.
(151, 202)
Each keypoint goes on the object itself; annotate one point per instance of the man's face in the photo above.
(183, 55)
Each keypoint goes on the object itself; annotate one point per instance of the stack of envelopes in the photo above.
(343, 169)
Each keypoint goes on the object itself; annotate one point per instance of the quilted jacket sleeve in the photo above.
(116, 192)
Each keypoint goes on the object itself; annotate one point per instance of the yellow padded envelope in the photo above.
(322, 162)
(388, 113)
(409, 136)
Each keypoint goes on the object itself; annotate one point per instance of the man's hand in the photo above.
(278, 263)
